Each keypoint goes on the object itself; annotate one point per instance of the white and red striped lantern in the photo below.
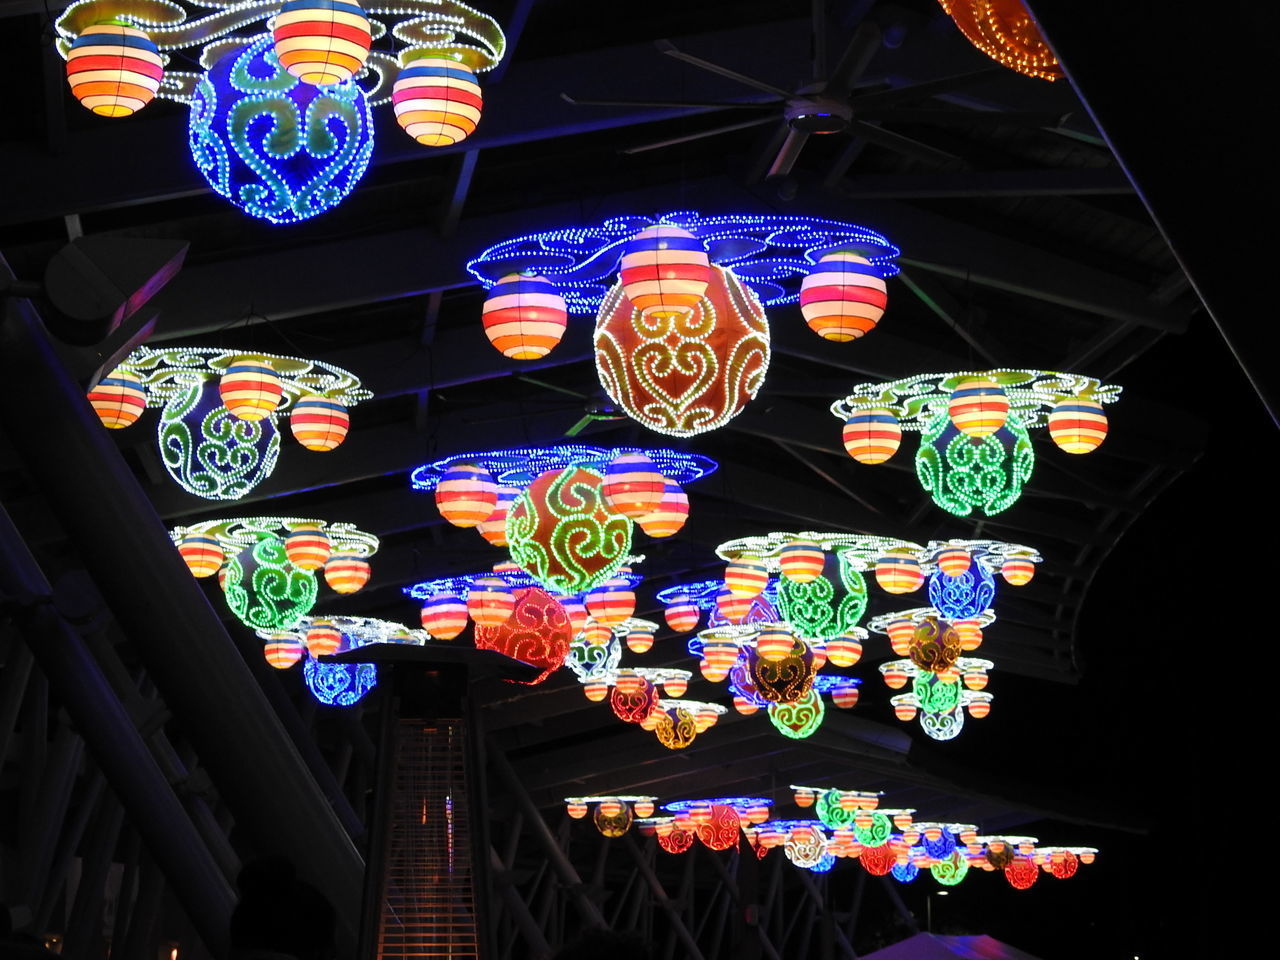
(114, 69)
(717, 657)
(872, 436)
(118, 399)
(845, 696)
(899, 571)
(282, 653)
(905, 712)
(466, 495)
(844, 651)
(743, 705)
(980, 708)
(970, 633)
(595, 633)
(676, 686)
(664, 270)
(490, 601)
(632, 485)
(319, 423)
(308, 547)
(576, 809)
(901, 631)
(818, 648)
(640, 641)
(1018, 571)
(746, 577)
(733, 608)
(801, 561)
(804, 797)
(436, 100)
(611, 602)
(322, 42)
(595, 690)
(576, 611)
(954, 561)
(524, 318)
(682, 614)
(250, 389)
(444, 616)
(705, 718)
(843, 297)
(323, 639)
(895, 678)
(203, 555)
(670, 515)
(494, 529)
(774, 643)
(1077, 424)
(978, 407)
(643, 808)
(976, 679)
(345, 573)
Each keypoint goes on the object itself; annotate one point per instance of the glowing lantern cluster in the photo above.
(843, 297)
(1006, 32)
(114, 69)
(524, 318)
(717, 822)
(613, 815)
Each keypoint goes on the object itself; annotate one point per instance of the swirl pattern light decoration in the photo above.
(963, 474)
(613, 815)
(206, 450)
(718, 821)
(1007, 33)
(679, 724)
(798, 719)
(538, 632)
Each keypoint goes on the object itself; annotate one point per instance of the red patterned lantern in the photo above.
(490, 602)
(114, 69)
(282, 653)
(632, 485)
(322, 42)
(1021, 873)
(900, 633)
(873, 435)
(1018, 571)
(746, 577)
(611, 602)
(444, 617)
(682, 614)
(978, 407)
(494, 529)
(524, 317)
(677, 841)
(844, 651)
(802, 561)
(345, 573)
(307, 547)
(899, 571)
(118, 399)
(437, 99)
(323, 639)
(1064, 864)
(466, 495)
(878, 861)
(537, 631)
(319, 423)
(664, 270)
(719, 831)
(250, 389)
(954, 561)
(202, 555)
(1077, 425)
(636, 702)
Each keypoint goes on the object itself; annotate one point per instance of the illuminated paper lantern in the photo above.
(872, 436)
(466, 495)
(804, 797)
(536, 631)
(346, 574)
(318, 423)
(202, 555)
(640, 641)
(954, 561)
(899, 571)
(118, 399)
(634, 702)
(250, 389)
(676, 686)
(1018, 571)
(903, 710)
(746, 577)
(895, 678)
(576, 611)
(978, 407)
(576, 809)
(802, 561)
(682, 614)
(595, 633)
(819, 650)
(664, 270)
(706, 717)
(845, 696)
(524, 317)
(323, 639)
(743, 705)
(1021, 873)
(282, 653)
(632, 485)
(444, 617)
(980, 708)
(1077, 424)
(611, 602)
(843, 297)
(595, 690)
(490, 602)
(718, 656)
(322, 42)
(643, 808)
(494, 529)
(1006, 32)
(774, 643)
(844, 651)
(934, 646)
(970, 632)
(733, 608)
(900, 632)
(114, 69)
(437, 100)
(308, 547)
(670, 515)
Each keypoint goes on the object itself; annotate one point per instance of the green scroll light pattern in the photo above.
(830, 812)
(815, 610)
(799, 719)
(877, 832)
(265, 591)
(964, 474)
(210, 453)
(952, 870)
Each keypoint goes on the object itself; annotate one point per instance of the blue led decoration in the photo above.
(964, 597)
(905, 872)
(825, 864)
(518, 467)
(770, 254)
(941, 848)
(460, 586)
(339, 684)
(279, 149)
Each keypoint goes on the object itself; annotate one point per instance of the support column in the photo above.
(673, 916)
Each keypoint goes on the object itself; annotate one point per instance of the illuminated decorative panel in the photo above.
(537, 632)
(1006, 32)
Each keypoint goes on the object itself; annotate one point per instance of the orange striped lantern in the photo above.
(575, 809)
(664, 270)
(845, 696)
(114, 69)
(307, 547)
(611, 602)
(524, 317)
(640, 641)
(978, 407)
(250, 389)
(718, 656)
(282, 653)
(504, 567)
(1077, 424)
(682, 614)
(595, 690)
(595, 633)
(705, 718)
(676, 686)
(118, 399)
(954, 561)
(843, 297)
(905, 712)
(804, 798)
(732, 608)
(849, 802)
(746, 577)
(743, 705)
(901, 632)
(700, 813)
(318, 423)
(819, 650)
(758, 814)
(774, 643)
(802, 561)
(632, 485)
(1088, 857)
(864, 820)
(466, 495)
(1018, 571)
(643, 808)
(494, 529)
(976, 679)
(490, 602)
(222, 578)
(670, 515)
(322, 42)
(970, 632)
(202, 555)
(323, 639)
(873, 435)
(979, 708)
(444, 617)
(345, 573)
(576, 611)
(610, 807)
(437, 100)
(895, 678)
(899, 571)
(844, 651)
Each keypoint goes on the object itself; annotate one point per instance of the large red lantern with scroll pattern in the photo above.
(537, 632)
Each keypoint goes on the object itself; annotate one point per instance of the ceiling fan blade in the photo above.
(922, 91)
(862, 47)
(963, 117)
(581, 425)
(671, 142)
(818, 38)
(709, 105)
(787, 156)
(671, 50)
(900, 144)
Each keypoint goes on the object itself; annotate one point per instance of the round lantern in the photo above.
(1006, 32)
(318, 423)
(323, 639)
(733, 608)
(494, 529)
(664, 270)
(640, 641)
(322, 42)
(872, 436)
(935, 645)
(670, 515)
(900, 632)
(689, 374)
(444, 617)
(898, 571)
(118, 399)
(978, 407)
(676, 686)
(282, 653)
(113, 69)
(250, 389)
(576, 809)
(264, 590)
(643, 808)
(979, 708)
(611, 602)
(437, 102)
(743, 705)
(210, 453)
(774, 643)
(490, 602)
(466, 495)
(536, 630)
(346, 574)
(682, 615)
(895, 678)
(844, 651)
(970, 632)
(632, 485)
(634, 702)
(576, 611)
(202, 555)
(1077, 424)
(524, 317)
(954, 561)
(801, 561)
(307, 547)
(1021, 873)
(1018, 571)
(595, 690)
(843, 297)
(718, 656)
(746, 577)
(594, 633)
(845, 696)
(904, 710)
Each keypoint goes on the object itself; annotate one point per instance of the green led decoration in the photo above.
(831, 812)
(933, 695)
(815, 610)
(964, 474)
(209, 452)
(800, 718)
(952, 870)
(875, 833)
(265, 591)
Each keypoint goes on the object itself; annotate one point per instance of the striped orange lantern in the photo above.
(494, 529)
(933, 833)
(595, 690)
(978, 406)
(804, 797)
(902, 820)
(575, 809)
(872, 436)
(202, 555)
(1018, 571)
(732, 608)
(904, 711)
(323, 639)
(980, 708)
(640, 641)
(307, 547)
(466, 495)
(895, 678)
(576, 611)
(901, 631)
(746, 577)
(802, 561)
(682, 614)
(844, 651)
(843, 297)
(665, 270)
(504, 567)
(643, 808)
(114, 69)
(595, 633)
(322, 42)
(436, 100)
(345, 573)
(282, 653)
(848, 801)
(610, 807)
(444, 617)
(611, 602)
(670, 515)
(222, 578)
(705, 718)
(864, 819)
(954, 561)
(845, 696)
(1088, 857)
(970, 632)
(650, 723)
(818, 648)
(490, 602)
(899, 571)
(524, 318)
(719, 656)
(632, 485)
(250, 389)
(1077, 424)
(319, 423)
(676, 686)
(758, 814)
(743, 705)
(774, 643)
(118, 399)
(976, 679)
(700, 813)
